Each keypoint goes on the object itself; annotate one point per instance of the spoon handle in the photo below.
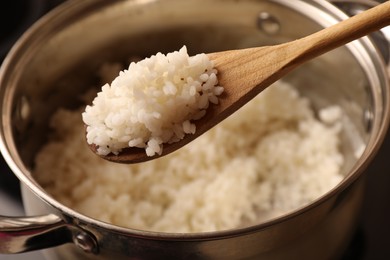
(343, 32)
(254, 69)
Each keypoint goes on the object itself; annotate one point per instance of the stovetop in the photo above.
(372, 236)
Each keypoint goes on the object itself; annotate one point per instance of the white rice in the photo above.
(152, 103)
(271, 157)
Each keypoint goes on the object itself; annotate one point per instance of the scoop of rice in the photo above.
(269, 158)
(152, 103)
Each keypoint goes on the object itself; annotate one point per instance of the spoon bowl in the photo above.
(245, 73)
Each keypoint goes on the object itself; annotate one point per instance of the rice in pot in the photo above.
(269, 158)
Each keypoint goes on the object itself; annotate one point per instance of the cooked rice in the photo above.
(152, 103)
(271, 157)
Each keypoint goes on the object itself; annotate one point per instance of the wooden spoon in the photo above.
(245, 73)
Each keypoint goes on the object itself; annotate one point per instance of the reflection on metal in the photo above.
(22, 234)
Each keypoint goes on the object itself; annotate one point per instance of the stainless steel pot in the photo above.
(53, 61)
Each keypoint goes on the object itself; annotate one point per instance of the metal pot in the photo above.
(53, 62)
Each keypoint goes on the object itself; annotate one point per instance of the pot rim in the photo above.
(330, 14)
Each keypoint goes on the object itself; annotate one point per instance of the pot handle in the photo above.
(381, 38)
(23, 234)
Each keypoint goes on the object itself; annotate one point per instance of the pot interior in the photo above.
(58, 61)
